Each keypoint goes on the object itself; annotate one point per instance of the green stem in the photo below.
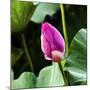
(63, 74)
(26, 51)
(64, 27)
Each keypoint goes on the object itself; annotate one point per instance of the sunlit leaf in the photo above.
(50, 76)
(26, 80)
(21, 13)
(76, 63)
(42, 10)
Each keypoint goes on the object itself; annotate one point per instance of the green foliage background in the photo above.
(26, 18)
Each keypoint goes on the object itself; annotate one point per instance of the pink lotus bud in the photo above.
(52, 42)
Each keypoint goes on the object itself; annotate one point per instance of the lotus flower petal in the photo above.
(45, 46)
(52, 42)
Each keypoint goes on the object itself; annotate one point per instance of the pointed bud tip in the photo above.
(44, 25)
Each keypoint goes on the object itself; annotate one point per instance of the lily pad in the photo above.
(50, 76)
(21, 13)
(26, 80)
(42, 10)
(76, 63)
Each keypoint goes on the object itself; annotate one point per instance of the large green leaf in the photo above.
(76, 63)
(21, 13)
(42, 10)
(16, 54)
(50, 76)
(26, 80)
